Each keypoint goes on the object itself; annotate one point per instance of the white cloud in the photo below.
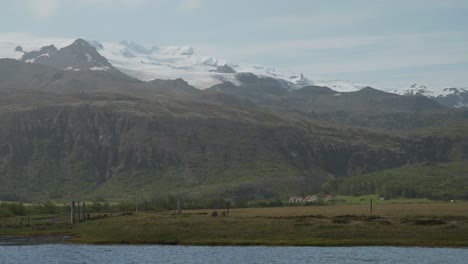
(189, 5)
(42, 8)
(127, 3)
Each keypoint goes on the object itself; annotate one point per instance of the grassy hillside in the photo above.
(444, 181)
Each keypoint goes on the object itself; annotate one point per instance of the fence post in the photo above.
(72, 220)
(84, 211)
(78, 212)
(136, 205)
(179, 207)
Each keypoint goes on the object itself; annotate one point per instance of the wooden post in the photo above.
(28, 217)
(78, 212)
(136, 205)
(179, 208)
(72, 212)
(371, 206)
(227, 205)
(84, 211)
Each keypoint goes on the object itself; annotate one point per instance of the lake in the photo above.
(66, 253)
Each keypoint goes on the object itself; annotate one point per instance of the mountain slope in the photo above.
(443, 181)
(95, 145)
(368, 107)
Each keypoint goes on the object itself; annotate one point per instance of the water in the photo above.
(39, 254)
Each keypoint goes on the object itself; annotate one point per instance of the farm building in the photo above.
(296, 199)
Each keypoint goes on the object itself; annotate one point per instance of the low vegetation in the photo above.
(436, 224)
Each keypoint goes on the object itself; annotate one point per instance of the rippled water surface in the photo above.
(190, 254)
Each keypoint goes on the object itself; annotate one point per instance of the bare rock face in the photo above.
(19, 49)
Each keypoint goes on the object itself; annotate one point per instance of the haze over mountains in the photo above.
(90, 119)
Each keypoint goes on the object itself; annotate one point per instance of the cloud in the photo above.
(127, 3)
(189, 5)
(42, 9)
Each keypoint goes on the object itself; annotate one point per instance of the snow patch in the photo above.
(186, 51)
(102, 68)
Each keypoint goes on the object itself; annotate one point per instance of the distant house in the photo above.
(311, 198)
(296, 199)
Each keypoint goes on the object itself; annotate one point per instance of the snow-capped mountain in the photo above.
(454, 97)
(200, 71)
(173, 62)
(416, 89)
(79, 55)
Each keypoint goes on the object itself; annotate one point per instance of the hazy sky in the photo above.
(381, 42)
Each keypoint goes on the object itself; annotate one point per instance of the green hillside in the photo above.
(441, 181)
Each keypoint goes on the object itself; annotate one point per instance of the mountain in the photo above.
(84, 132)
(457, 97)
(92, 145)
(367, 107)
(173, 62)
(99, 144)
(452, 97)
(79, 55)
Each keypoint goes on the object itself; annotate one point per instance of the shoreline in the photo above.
(70, 239)
(36, 239)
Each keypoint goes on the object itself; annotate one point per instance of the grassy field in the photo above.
(365, 200)
(440, 224)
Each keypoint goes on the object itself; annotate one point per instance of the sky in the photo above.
(378, 42)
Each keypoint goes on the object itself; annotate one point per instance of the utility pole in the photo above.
(79, 212)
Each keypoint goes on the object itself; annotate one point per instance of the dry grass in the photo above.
(344, 225)
(386, 210)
